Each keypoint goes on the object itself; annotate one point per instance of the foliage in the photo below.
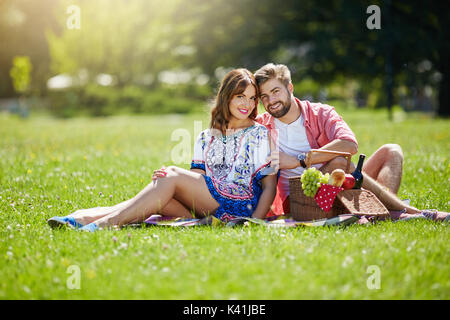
(127, 39)
(136, 40)
(96, 100)
(22, 33)
(20, 73)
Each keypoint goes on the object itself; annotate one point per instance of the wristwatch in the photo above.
(301, 157)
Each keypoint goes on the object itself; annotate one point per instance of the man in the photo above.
(299, 126)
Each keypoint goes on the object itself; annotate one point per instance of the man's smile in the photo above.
(275, 106)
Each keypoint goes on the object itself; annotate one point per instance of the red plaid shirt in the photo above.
(322, 125)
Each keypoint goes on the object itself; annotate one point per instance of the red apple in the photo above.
(349, 182)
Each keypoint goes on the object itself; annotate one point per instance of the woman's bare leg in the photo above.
(84, 216)
(175, 209)
(188, 188)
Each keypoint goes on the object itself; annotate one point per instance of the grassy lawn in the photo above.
(53, 167)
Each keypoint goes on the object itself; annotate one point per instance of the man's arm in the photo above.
(290, 162)
(335, 145)
(339, 134)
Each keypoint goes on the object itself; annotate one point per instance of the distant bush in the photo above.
(348, 91)
(65, 103)
(307, 88)
(96, 100)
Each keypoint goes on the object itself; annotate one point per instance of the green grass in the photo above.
(53, 167)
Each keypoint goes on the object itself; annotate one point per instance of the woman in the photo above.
(225, 177)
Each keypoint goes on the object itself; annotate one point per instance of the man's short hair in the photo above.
(270, 71)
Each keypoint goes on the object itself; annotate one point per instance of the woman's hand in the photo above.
(160, 173)
(269, 186)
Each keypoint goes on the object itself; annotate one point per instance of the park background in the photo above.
(108, 57)
(88, 110)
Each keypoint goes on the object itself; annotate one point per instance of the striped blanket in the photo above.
(281, 221)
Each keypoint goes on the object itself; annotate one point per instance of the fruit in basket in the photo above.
(337, 178)
(311, 179)
(349, 182)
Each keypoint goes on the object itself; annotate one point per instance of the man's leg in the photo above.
(390, 200)
(386, 166)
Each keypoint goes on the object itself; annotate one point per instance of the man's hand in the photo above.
(281, 160)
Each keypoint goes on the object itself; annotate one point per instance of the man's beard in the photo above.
(285, 107)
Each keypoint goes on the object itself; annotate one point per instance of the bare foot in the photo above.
(85, 216)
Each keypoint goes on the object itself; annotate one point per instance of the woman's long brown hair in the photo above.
(235, 82)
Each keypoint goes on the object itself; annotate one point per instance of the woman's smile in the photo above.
(243, 111)
(241, 107)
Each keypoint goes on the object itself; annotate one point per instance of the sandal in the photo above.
(60, 222)
(90, 227)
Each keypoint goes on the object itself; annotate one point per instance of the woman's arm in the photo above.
(269, 186)
(161, 173)
(199, 171)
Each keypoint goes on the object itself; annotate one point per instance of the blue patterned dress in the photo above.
(233, 166)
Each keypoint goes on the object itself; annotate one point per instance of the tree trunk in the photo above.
(388, 61)
(444, 88)
(443, 65)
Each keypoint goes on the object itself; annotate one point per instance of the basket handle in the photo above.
(347, 155)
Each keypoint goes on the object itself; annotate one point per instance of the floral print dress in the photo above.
(233, 166)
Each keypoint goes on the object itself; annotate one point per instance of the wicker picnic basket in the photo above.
(354, 201)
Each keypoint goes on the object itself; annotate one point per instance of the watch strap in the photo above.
(301, 157)
(303, 163)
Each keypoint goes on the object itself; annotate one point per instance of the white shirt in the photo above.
(292, 140)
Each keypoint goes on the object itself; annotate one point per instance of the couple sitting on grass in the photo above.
(242, 163)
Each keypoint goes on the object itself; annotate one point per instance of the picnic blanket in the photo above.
(282, 221)
(277, 221)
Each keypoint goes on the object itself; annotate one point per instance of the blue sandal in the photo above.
(59, 222)
(90, 227)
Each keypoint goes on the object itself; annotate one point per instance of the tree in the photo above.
(127, 39)
(20, 73)
(329, 39)
(22, 32)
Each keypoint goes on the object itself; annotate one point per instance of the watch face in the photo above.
(301, 156)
